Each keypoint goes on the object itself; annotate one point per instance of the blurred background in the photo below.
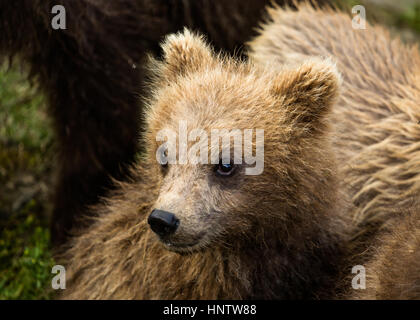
(27, 151)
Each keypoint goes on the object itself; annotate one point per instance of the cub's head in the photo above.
(241, 150)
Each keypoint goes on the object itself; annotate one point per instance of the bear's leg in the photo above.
(92, 78)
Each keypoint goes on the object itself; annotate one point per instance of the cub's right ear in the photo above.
(183, 52)
(307, 94)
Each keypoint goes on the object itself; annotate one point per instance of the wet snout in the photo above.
(163, 223)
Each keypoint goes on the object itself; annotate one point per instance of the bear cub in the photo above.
(198, 230)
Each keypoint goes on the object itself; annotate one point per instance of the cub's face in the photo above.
(223, 134)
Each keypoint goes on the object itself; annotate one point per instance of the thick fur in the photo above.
(393, 267)
(376, 129)
(92, 76)
(281, 234)
(274, 235)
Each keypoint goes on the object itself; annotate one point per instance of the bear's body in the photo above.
(376, 132)
(393, 261)
(284, 233)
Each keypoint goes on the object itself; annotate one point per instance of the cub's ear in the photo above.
(308, 94)
(182, 53)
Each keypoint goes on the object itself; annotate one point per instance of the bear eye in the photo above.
(225, 169)
(163, 159)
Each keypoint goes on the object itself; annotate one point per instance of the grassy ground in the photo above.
(25, 177)
(26, 159)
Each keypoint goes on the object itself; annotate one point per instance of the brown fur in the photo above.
(274, 235)
(91, 74)
(376, 130)
(281, 234)
(393, 263)
(375, 122)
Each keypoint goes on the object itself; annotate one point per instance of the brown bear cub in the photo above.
(222, 233)
(333, 163)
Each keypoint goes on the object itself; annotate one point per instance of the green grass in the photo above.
(25, 258)
(25, 173)
(410, 18)
(22, 115)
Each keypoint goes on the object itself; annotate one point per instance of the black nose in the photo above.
(162, 222)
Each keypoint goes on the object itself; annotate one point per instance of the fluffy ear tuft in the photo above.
(184, 52)
(308, 93)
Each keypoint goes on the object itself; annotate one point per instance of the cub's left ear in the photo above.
(184, 52)
(308, 93)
